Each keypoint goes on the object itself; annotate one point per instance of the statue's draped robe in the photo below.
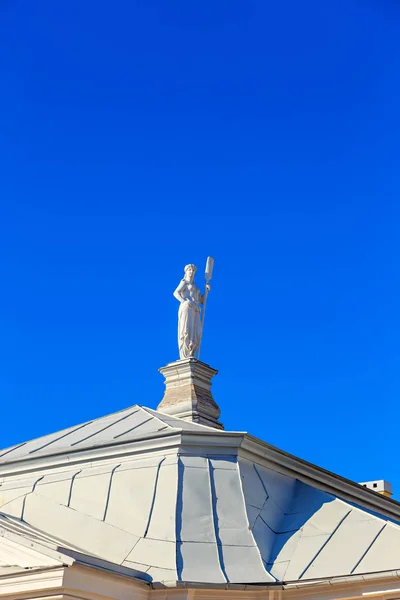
(189, 321)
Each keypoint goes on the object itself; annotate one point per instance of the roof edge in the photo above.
(165, 440)
(286, 585)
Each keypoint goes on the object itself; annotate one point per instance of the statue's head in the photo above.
(190, 270)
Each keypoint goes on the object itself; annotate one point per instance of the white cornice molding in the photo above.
(170, 441)
(94, 583)
(83, 582)
(77, 581)
(385, 584)
(211, 442)
(32, 583)
(378, 585)
(146, 445)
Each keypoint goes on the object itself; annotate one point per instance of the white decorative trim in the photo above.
(209, 443)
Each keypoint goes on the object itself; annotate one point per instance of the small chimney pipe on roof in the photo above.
(379, 485)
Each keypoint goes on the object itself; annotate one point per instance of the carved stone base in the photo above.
(188, 392)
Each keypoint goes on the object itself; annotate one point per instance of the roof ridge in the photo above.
(174, 417)
(150, 412)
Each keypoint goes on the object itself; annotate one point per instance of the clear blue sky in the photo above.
(138, 136)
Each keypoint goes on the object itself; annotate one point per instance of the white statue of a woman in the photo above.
(189, 315)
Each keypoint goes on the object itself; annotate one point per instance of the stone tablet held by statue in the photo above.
(191, 310)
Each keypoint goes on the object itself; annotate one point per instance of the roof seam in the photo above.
(215, 520)
(324, 545)
(71, 486)
(153, 500)
(109, 491)
(368, 549)
(13, 448)
(132, 428)
(104, 428)
(61, 437)
(24, 500)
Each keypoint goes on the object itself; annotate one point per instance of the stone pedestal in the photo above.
(188, 392)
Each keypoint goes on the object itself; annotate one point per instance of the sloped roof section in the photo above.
(194, 513)
(209, 519)
(128, 425)
(171, 518)
(24, 548)
(305, 533)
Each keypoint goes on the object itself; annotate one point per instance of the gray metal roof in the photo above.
(127, 425)
(192, 514)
